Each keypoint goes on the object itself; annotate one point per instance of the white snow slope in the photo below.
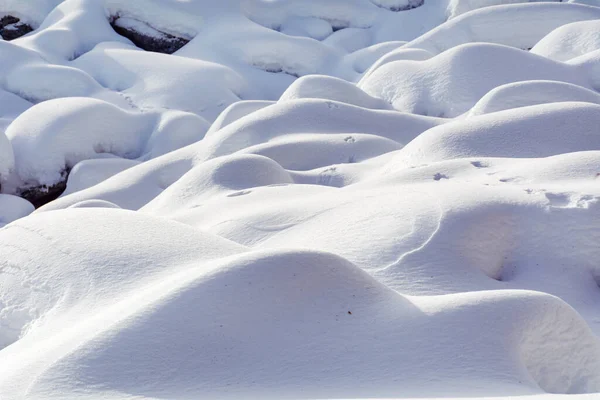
(311, 199)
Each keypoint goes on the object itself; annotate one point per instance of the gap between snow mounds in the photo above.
(145, 36)
(12, 27)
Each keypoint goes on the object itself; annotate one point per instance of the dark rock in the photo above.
(12, 27)
(439, 176)
(43, 194)
(411, 4)
(40, 195)
(160, 43)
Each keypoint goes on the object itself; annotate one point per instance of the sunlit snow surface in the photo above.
(310, 199)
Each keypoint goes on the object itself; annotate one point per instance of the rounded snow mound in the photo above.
(230, 176)
(530, 93)
(535, 131)
(303, 199)
(56, 271)
(570, 41)
(70, 130)
(329, 88)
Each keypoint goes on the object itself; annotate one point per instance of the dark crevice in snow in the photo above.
(44, 194)
(338, 26)
(146, 37)
(276, 69)
(479, 164)
(12, 28)
(596, 276)
(404, 7)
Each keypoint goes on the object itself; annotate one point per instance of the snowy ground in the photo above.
(299, 199)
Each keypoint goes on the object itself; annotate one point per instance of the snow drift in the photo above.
(299, 199)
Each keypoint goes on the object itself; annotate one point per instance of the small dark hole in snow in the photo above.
(596, 276)
(158, 42)
(439, 176)
(12, 28)
(478, 164)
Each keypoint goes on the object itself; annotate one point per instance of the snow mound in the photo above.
(7, 158)
(569, 41)
(285, 199)
(257, 305)
(533, 21)
(535, 131)
(452, 82)
(13, 208)
(329, 88)
(530, 93)
(70, 130)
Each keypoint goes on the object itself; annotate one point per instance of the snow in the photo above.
(309, 199)
(569, 41)
(530, 93)
(431, 87)
(13, 208)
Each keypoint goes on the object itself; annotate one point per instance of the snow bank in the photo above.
(306, 199)
(148, 297)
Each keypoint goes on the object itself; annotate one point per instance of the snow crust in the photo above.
(310, 199)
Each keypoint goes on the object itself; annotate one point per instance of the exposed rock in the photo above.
(40, 195)
(400, 7)
(147, 38)
(43, 194)
(12, 27)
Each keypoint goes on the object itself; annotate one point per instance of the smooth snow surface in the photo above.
(311, 199)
